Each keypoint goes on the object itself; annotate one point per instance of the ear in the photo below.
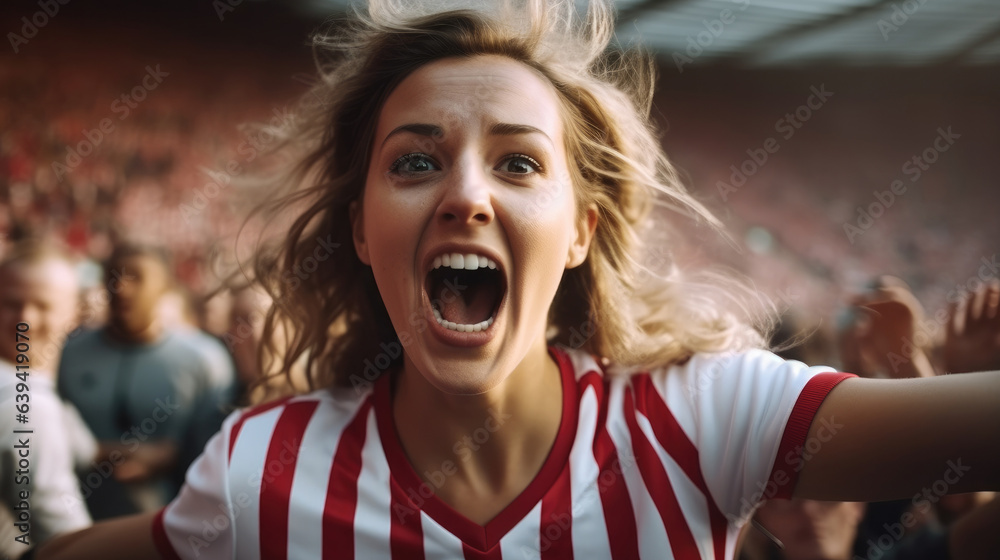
(585, 227)
(358, 232)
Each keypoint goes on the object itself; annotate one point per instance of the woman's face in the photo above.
(468, 218)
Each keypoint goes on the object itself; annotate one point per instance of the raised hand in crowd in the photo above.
(884, 339)
(972, 339)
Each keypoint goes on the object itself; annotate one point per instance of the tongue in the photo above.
(474, 304)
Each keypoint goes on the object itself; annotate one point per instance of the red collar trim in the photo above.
(483, 538)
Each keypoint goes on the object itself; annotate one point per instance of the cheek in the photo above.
(388, 230)
(545, 218)
(392, 231)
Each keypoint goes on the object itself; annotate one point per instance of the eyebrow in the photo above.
(497, 129)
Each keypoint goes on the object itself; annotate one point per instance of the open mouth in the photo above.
(465, 291)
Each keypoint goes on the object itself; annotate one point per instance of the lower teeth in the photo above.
(460, 327)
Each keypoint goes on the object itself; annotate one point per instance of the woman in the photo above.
(508, 381)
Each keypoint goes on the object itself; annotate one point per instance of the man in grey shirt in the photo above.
(149, 393)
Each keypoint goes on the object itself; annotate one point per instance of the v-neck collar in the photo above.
(474, 535)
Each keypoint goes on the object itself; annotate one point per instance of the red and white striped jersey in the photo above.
(667, 463)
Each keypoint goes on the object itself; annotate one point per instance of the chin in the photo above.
(462, 379)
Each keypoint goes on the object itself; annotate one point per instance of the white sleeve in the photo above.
(198, 523)
(83, 444)
(748, 415)
(57, 505)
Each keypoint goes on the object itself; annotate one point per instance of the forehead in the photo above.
(46, 277)
(467, 92)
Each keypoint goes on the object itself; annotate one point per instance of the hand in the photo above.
(885, 338)
(972, 340)
(133, 471)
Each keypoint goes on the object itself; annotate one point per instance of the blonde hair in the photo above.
(612, 306)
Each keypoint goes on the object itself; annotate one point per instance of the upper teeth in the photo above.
(459, 261)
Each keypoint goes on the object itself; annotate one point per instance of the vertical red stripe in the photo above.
(654, 476)
(619, 517)
(235, 432)
(474, 554)
(555, 531)
(342, 490)
(675, 442)
(276, 483)
(406, 535)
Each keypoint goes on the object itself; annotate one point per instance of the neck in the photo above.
(492, 437)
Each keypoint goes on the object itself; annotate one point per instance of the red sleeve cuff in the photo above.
(163, 545)
(789, 461)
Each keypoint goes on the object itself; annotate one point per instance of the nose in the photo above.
(468, 196)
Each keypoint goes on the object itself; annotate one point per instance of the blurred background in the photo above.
(838, 139)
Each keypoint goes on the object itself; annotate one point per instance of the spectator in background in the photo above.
(972, 337)
(893, 337)
(246, 334)
(884, 338)
(179, 311)
(146, 390)
(807, 529)
(258, 360)
(38, 287)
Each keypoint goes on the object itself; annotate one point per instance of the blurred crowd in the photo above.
(123, 405)
(90, 156)
(133, 368)
(120, 408)
(887, 334)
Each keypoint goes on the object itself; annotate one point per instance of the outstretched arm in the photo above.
(125, 538)
(905, 438)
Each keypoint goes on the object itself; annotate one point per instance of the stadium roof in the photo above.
(774, 33)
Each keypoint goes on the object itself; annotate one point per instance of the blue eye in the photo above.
(522, 165)
(412, 164)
